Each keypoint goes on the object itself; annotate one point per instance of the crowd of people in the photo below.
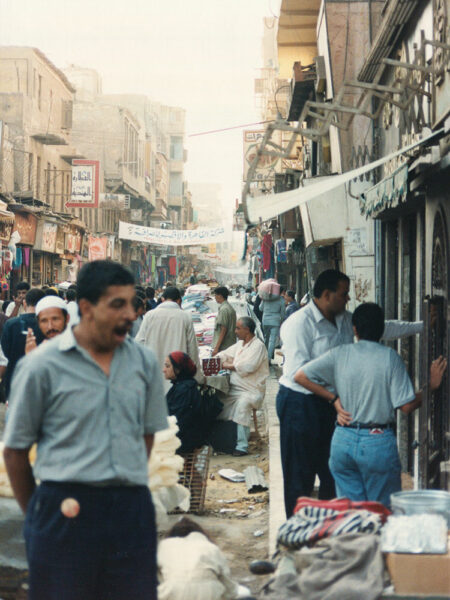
(92, 374)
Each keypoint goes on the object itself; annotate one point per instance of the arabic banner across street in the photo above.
(172, 237)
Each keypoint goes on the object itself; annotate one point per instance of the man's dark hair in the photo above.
(291, 294)
(249, 323)
(368, 320)
(50, 292)
(140, 292)
(150, 292)
(282, 289)
(222, 291)
(328, 280)
(71, 295)
(22, 285)
(5, 305)
(138, 303)
(95, 277)
(72, 286)
(171, 293)
(33, 296)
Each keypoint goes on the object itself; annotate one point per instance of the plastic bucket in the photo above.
(422, 501)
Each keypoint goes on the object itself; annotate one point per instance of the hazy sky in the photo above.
(199, 54)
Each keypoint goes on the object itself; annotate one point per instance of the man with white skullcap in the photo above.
(52, 318)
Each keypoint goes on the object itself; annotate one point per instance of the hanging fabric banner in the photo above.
(172, 237)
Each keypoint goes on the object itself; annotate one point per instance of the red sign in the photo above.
(85, 184)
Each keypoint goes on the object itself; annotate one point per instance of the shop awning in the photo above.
(388, 193)
(265, 207)
(6, 216)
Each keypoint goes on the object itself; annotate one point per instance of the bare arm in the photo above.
(20, 475)
(149, 439)
(437, 370)
(222, 334)
(343, 417)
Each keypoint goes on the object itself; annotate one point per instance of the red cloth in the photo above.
(266, 246)
(182, 364)
(343, 504)
(173, 265)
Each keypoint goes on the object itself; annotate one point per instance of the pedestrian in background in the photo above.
(168, 329)
(92, 399)
(225, 325)
(16, 308)
(291, 304)
(273, 311)
(15, 334)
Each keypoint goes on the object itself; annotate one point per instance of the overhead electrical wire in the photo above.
(229, 128)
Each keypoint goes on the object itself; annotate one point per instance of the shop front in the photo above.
(44, 258)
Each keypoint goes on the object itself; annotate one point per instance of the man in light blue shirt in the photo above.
(92, 399)
(367, 383)
(306, 426)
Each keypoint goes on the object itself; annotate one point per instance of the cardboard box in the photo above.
(416, 574)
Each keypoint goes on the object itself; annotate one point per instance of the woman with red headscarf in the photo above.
(183, 400)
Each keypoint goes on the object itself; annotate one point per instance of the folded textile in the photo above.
(349, 567)
(344, 504)
(312, 523)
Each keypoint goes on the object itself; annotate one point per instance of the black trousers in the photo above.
(306, 428)
(107, 552)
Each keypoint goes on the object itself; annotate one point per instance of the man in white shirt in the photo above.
(306, 424)
(16, 308)
(166, 329)
(248, 362)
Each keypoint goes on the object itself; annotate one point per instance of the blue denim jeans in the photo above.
(365, 465)
(243, 435)
(271, 333)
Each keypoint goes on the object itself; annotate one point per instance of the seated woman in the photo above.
(192, 567)
(183, 400)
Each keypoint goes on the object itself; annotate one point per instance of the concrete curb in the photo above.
(277, 516)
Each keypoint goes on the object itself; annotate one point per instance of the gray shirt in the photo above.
(89, 427)
(371, 380)
(307, 334)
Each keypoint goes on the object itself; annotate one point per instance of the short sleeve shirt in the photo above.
(226, 317)
(89, 426)
(371, 380)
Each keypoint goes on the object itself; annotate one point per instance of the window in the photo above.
(55, 201)
(176, 184)
(176, 148)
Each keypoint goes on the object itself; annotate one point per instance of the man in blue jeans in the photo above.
(306, 426)
(92, 400)
(366, 382)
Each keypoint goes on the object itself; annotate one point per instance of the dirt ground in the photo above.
(238, 521)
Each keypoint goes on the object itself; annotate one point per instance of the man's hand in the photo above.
(30, 342)
(343, 417)
(228, 364)
(437, 370)
(214, 352)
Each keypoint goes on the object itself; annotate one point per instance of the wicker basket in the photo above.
(194, 477)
